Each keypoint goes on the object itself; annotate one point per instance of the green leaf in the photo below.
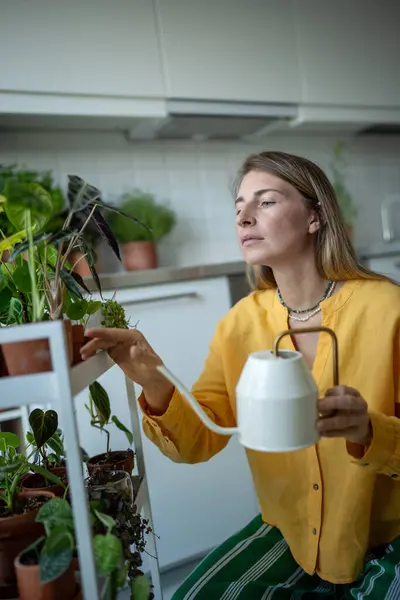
(43, 424)
(56, 512)
(106, 520)
(56, 444)
(23, 197)
(79, 280)
(29, 437)
(58, 540)
(70, 283)
(140, 588)
(91, 259)
(8, 439)
(5, 298)
(52, 566)
(2, 280)
(23, 247)
(76, 309)
(81, 193)
(46, 474)
(108, 553)
(93, 306)
(21, 278)
(122, 427)
(101, 402)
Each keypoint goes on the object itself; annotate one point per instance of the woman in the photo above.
(330, 513)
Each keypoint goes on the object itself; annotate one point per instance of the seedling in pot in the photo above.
(100, 412)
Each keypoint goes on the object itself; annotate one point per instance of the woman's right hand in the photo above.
(130, 350)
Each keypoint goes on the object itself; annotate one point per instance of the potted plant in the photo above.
(345, 199)
(100, 412)
(50, 274)
(117, 502)
(17, 509)
(139, 243)
(45, 437)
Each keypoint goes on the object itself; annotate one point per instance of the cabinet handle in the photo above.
(170, 297)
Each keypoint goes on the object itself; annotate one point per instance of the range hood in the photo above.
(198, 120)
(338, 119)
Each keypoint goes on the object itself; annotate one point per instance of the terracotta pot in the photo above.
(3, 366)
(16, 533)
(35, 481)
(33, 356)
(81, 267)
(30, 588)
(138, 256)
(78, 340)
(125, 464)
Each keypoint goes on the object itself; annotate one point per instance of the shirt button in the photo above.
(316, 487)
(394, 476)
(365, 464)
(314, 531)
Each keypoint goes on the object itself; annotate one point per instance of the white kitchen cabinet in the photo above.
(349, 51)
(80, 47)
(237, 50)
(195, 507)
(387, 265)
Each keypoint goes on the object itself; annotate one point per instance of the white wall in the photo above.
(196, 178)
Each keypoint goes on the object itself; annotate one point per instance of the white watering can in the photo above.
(277, 398)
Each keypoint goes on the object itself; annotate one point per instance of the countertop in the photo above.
(128, 279)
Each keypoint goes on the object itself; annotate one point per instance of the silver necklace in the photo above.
(313, 310)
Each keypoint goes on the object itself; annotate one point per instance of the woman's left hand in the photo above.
(344, 413)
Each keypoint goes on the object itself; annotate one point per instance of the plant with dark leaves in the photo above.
(45, 438)
(51, 276)
(100, 412)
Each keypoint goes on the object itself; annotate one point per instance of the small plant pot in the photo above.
(121, 481)
(139, 256)
(30, 587)
(115, 461)
(3, 366)
(33, 356)
(81, 267)
(16, 533)
(35, 481)
(78, 340)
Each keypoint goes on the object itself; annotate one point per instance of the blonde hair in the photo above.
(336, 258)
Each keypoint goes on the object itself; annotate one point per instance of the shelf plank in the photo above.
(42, 388)
(8, 415)
(84, 373)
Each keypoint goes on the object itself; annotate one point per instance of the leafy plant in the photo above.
(44, 179)
(45, 437)
(13, 466)
(80, 310)
(27, 207)
(114, 314)
(100, 412)
(158, 218)
(129, 526)
(345, 199)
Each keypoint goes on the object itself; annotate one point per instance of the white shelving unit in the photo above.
(58, 389)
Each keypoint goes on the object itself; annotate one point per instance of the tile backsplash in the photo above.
(196, 179)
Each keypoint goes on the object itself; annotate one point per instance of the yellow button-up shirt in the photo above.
(333, 501)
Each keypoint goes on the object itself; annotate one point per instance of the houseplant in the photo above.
(100, 413)
(139, 243)
(45, 437)
(113, 314)
(50, 275)
(345, 199)
(17, 509)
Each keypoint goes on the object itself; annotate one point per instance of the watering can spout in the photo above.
(195, 405)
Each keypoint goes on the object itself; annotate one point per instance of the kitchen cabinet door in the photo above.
(79, 47)
(195, 507)
(241, 50)
(349, 51)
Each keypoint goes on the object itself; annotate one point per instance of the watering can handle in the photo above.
(195, 405)
(313, 330)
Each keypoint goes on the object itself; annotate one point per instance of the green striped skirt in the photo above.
(256, 564)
